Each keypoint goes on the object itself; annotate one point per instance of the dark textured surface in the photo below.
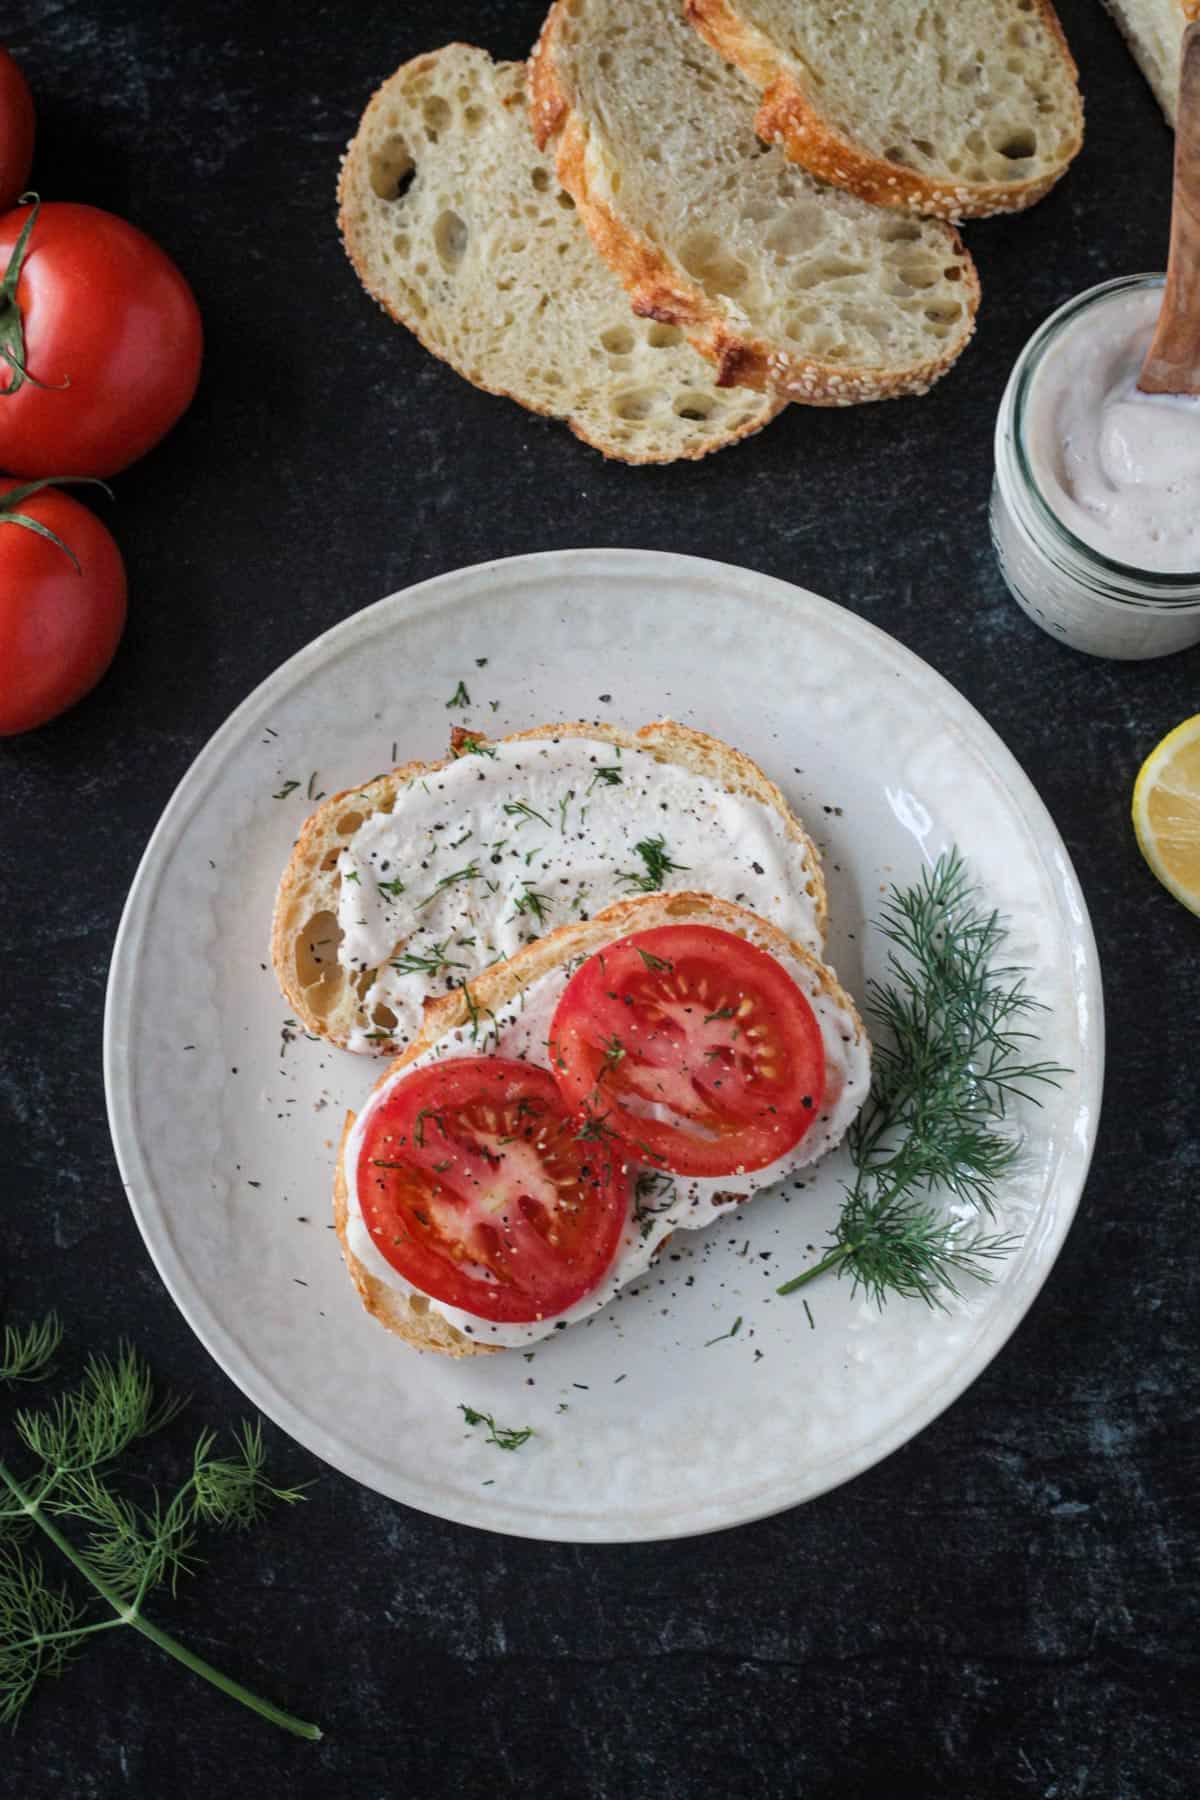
(1007, 1606)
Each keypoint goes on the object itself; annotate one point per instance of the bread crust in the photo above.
(353, 188)
(1164, 83)
(303, 893)
(658, 291)
(788, 117)
(419, 1325)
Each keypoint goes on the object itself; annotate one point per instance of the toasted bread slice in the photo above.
(1154, 30)
(456, 225)
(785, 282)
(328, 999)
(411, 1317)
(959, 109)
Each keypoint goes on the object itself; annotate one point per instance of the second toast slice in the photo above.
(786, 283)
(456, 224)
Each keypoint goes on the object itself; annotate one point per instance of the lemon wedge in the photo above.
(1166, 812)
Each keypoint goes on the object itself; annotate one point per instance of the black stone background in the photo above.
(1005, 1607)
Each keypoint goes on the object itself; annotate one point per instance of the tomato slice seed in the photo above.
(476, 1189)
(696, 1048)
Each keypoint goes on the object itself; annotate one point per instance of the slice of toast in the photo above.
(328, 999)
(456, 224)
(1154, 30)
(957, 109)
(785, 282)
(410, 1316)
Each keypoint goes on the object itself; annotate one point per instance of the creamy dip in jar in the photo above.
(1096, 502)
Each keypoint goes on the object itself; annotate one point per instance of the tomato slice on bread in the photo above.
(693, 1047)
(477, 1187)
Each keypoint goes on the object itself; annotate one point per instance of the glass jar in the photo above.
(1075, 592)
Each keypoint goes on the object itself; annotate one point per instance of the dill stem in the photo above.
(181, 1653)
(128, 1615)
(827, 1262)
(56, 1637)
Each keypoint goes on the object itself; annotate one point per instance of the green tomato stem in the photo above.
(12, 325)
(22, 491)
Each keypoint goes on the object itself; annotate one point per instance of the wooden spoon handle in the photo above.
(1172, 365)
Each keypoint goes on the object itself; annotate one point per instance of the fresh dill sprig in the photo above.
(521, 809)
(469, 873)
(426, 1112)
(459, 697)
(653, 852)
(505, 1437)
(121, 1548)
(530, 901)
(431, 963)
(473, 1014)
(951, 1059)
(606, 776)
(614, 1054)
(470, 745)
(595, 1129)
(654, 962)
(27, 1355)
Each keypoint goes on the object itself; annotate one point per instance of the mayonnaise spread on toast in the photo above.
(512, 839)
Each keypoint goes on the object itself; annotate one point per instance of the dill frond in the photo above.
(26, 1355)
(505, 1437)
(433, 962)
(121, 1549)
(658, 865)
(952, 1057)
(38, 1630)
(93, 1423)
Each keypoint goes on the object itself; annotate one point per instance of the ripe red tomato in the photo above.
(477, 1188)
(112, 343)
(696, 1048)
(16, 132)
(59, 625)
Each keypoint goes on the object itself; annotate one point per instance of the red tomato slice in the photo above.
(695, 1048)
(477, 1188)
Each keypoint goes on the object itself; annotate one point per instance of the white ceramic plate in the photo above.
(225, 1129)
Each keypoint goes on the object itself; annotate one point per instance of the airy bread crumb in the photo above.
(784, 282)
(456, 224)
(957, 110)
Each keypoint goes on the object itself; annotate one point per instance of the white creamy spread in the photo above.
(1120, 468)
(661, 1203)
(502, 846)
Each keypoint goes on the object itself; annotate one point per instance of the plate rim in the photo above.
(262, 1391)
